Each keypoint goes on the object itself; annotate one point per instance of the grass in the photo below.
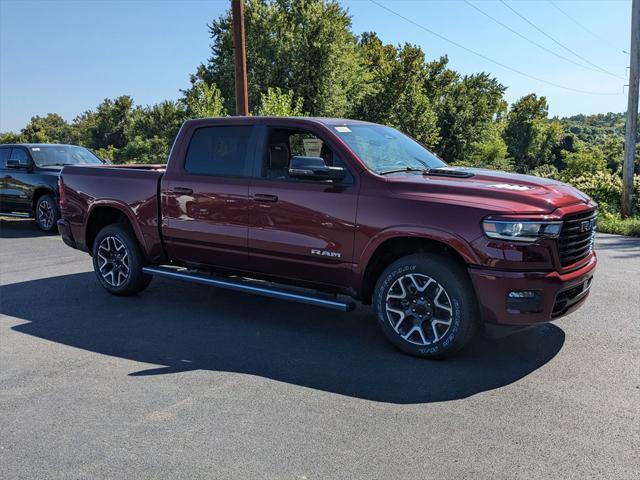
(612, 223)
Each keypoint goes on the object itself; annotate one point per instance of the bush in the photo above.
(612, 223)
(604, 188)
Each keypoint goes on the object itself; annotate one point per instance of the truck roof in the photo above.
(30, 145)
(259, 120)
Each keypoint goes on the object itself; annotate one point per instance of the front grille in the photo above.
(576, 237)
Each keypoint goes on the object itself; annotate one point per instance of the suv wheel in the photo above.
(118, 261)
(426, 305)
(46, 213)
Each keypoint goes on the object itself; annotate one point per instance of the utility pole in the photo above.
(240, 56)
(632, 112)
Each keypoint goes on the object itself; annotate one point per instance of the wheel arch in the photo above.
(102, 214)
(392, 246)
(39, 192)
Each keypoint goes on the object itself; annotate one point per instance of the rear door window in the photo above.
(220, 151)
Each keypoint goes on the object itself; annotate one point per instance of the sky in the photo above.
(66, 56)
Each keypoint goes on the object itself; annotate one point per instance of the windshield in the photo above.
(385, 149)
(58, 155)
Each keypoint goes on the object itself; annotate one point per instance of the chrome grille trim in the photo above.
(573, 243)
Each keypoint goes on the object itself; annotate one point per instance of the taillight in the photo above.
(61, 190)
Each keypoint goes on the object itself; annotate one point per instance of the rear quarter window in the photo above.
(220, 151)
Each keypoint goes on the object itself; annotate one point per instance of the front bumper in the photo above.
(557, 294)
(65, 232)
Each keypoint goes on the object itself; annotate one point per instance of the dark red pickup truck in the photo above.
(312, 210)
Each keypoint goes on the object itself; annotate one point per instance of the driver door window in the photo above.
(282, 145)
(20, 155)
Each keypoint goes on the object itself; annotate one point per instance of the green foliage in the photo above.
(489, 151)
(204, 100)
(301, 46)
(10, 137)
(466, 110)
(153, 150)
(613, 223)
(584, 161)
(603, 187)
(396, 96)
(276, 103)
(528, 134)
(49, 129)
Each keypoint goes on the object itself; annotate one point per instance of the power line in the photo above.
(588, 30)
(500, 64)
(515, 32)
(556, 41)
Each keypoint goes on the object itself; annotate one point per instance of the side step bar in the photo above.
(16, 215)
(246, 286)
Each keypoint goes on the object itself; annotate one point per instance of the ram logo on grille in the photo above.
(587, 225)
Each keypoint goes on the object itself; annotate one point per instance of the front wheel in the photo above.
(426, 305)
(118, 261)
(46, 213)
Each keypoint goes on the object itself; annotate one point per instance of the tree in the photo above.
(525, 129)
(489, 150)
(107, 126)
(301, 46)
(466, 109)
(281, 104)
(49, 129)
(162, 120)
(396, 95)
(204, 101)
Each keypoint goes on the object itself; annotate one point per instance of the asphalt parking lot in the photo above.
(186, 381)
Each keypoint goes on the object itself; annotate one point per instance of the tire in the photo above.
(426, 305)
(47, 213)
(118, 261)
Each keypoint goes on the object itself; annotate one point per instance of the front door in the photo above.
(303, 230)
(16, 185)
(205, 210)
(4, 176)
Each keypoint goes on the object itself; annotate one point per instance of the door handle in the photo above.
(263, 197)
(182, 190)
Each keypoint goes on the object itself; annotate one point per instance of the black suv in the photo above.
(29, 178)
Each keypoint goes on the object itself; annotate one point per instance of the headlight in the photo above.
(520, 231)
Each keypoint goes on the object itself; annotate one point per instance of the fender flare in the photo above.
(123, 208)
(457, 243)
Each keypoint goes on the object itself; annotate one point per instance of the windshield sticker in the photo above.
(343, 129)
(509, 186)
(35, 149)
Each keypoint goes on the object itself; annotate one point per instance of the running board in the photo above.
(245, 286)
(16, 215)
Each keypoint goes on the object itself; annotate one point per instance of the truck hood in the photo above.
(499, 191)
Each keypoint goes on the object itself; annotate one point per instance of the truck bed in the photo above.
(132, 189)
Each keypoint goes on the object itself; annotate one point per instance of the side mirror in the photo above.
(314, 168)
(17, 165)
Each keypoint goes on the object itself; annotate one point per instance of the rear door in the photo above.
(301, 229)
(205, 198)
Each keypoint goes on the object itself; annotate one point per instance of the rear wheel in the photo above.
(46, 213)
(426, 305)
(118, 261)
